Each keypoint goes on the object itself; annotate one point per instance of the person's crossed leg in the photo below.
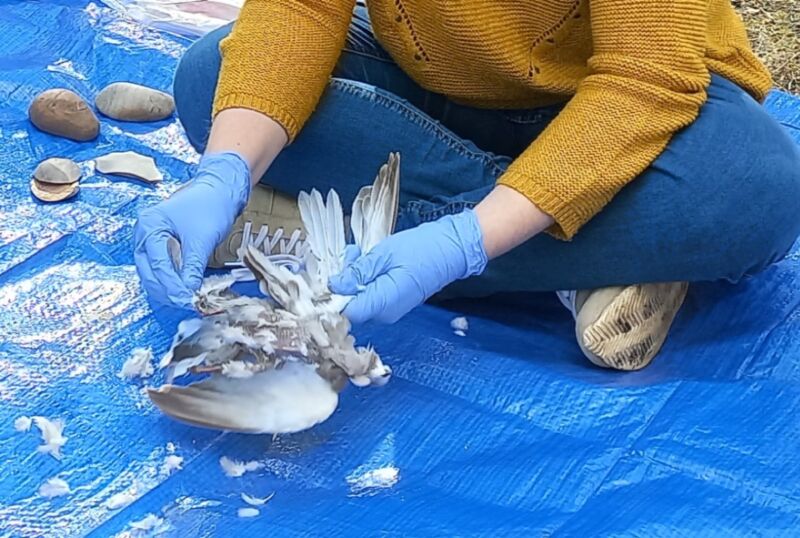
(718, 203)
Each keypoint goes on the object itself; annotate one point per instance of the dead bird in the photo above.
(277, 364)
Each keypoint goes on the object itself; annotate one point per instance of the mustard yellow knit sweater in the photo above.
(634, 72)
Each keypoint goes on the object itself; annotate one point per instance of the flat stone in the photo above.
(133, 102)
(57, 171)
(63, 113)
(129, 164)
(52, 192)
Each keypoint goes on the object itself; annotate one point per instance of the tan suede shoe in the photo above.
(624, 327)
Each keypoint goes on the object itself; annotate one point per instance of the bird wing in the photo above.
(284, 400)
(324, 225)
(289, 290)
(374, 210)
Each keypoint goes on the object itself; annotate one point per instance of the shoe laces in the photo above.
(278, 247)
(567, 298)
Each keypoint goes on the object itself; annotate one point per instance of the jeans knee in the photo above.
(783, 205)
(766, 221)
(194, 84)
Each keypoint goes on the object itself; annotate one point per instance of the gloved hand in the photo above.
(406, 268)
(199, 216)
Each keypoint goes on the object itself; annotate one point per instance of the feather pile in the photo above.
(277, 364)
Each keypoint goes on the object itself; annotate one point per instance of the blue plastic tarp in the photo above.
(507, 431)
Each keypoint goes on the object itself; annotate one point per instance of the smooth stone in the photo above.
(51, 192)
(63, 113)
(133, 102)
(57, 170)
(129, 164)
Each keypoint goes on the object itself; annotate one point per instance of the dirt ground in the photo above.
(774, 29)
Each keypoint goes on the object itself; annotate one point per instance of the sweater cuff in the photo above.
(567, 219)
(259, 104)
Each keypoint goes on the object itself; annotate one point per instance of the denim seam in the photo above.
(370, 55)
(449, 208)
(413, 115)
(518, 120)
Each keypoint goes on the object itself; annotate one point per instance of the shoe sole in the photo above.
(624, 327)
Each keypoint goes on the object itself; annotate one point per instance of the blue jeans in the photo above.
(721, 202)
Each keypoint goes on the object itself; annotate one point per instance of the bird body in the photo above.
(277, 365)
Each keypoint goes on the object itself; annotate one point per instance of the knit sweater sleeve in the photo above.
(279, 57)
(647, 80)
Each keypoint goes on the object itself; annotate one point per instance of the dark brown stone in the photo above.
(63, 113)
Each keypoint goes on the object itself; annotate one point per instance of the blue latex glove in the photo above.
(407, 268)
(199, 216)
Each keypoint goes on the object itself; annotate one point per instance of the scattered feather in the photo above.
(172, 463)
(235, 468)
(142, 401)
(459, 332)
(52, 435)
(54, 487)
(150, 522)
(170, 448)
(139, 364)
(460, 324)
(383, 477)
(255, 501)
(120, 500)
(248, 512)
(22, 424)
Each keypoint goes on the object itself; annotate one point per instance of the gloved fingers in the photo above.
(141, 236)
(368, 303)
(160, 269)
(195, 260)
(385, 300)
(149, 282)
(351, 254)
(344, 283)
(360, 273)
(192, 274)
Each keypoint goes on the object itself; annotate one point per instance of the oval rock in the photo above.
(63, 113)
(57, 171)
(49, 192)
(133, 102)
